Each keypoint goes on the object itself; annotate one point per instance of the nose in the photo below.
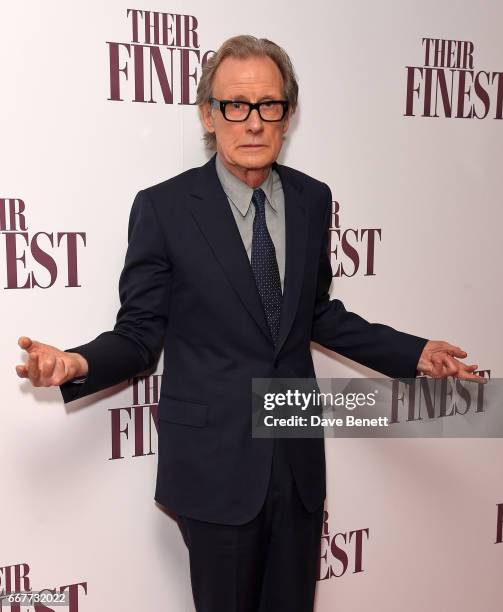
(254, 123)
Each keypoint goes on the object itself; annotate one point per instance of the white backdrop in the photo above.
(71, 513)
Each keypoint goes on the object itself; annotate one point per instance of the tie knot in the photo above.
(258, 199)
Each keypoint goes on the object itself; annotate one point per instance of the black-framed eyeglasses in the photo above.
(238, 110)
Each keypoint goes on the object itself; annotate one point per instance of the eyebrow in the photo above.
(243, 98)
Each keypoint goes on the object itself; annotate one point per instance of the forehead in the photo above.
(252, 77)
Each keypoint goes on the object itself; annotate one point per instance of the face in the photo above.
(252, 144)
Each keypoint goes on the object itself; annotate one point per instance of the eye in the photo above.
(236, 105)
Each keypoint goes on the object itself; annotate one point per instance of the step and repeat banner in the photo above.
(401, 108)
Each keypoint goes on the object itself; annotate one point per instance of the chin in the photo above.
(254, 159)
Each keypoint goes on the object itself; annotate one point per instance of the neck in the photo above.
(253, 177)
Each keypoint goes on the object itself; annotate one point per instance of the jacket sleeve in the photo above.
(136, 340)
(376, 346)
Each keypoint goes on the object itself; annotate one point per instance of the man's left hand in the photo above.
(439, 359)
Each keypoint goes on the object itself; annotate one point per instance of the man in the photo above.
(227, 267)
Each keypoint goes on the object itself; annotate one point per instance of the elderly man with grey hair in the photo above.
(227, 270)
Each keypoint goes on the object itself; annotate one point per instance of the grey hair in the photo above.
(242, 47)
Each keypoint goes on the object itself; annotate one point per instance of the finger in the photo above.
(451, 365)
(467, 372)
(32, 365)
(47, 366)
(24, 342)
(474, 377)
(455, 351)
(28, 344)
(469, 369)
(459, 353)
(22, 371)
(465, 366)
(444, 365)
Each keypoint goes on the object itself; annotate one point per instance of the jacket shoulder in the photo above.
(176, 185)
(302, 180)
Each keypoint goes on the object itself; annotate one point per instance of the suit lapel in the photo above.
(211, 211)
(296, 221)
(210, 208)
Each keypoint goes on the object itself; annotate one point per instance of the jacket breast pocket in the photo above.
(175, 410)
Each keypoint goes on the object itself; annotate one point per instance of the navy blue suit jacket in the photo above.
(187, 286)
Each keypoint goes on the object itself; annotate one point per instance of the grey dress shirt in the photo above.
(239, 195)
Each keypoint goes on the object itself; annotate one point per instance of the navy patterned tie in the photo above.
(265, 266)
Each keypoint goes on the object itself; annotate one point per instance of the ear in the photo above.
(207, 117)
(286, 121)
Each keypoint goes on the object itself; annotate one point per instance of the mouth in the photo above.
(252, 146)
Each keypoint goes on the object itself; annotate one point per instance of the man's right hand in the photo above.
(47, 366)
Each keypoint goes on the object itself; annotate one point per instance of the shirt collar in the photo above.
(239, 192)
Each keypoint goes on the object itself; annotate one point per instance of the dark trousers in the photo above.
(269, 564)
